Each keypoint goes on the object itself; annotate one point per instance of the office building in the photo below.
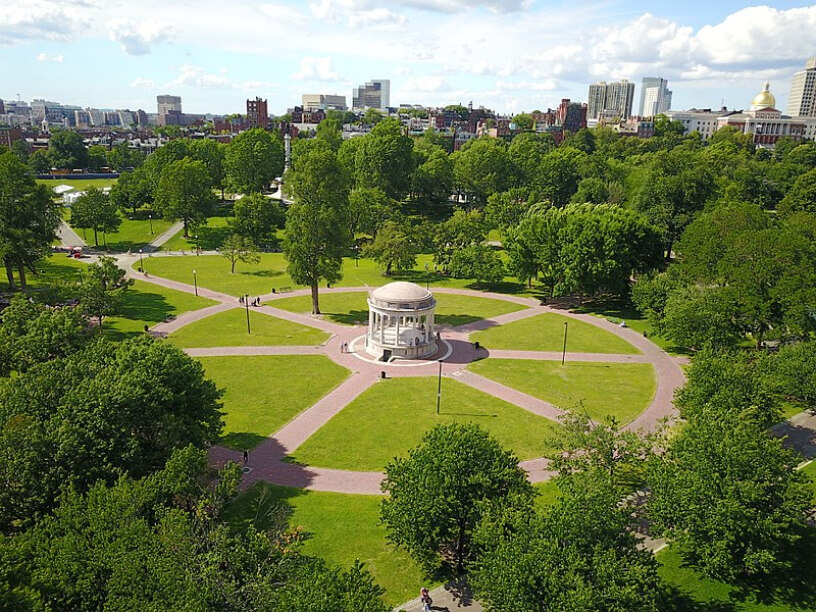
(166, 104)
(324, 102)
(374, 94)
(802, 98)
(655, 97)
(257, 113)
(610, 99)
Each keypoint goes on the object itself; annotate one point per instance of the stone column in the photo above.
(396, 339)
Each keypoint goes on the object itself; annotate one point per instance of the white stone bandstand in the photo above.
(401, 322)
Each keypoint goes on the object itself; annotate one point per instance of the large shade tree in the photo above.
(253, 159)
(185, 193)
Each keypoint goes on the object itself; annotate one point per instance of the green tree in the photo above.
(29, 218)
(437, 494)
(368, 209)
(32, 333)
(505, 210)
(385, 160)
(432, 181)
(479, 262)
(523, 121)
(97, 158)
(317, 221)
(211, 154)
(372, 116)
(802, 196)
(730, 497)
(102, 288)
(95, 210)
(121, 157)
(257, 218)
(462, 229)
(579, 554)
(253, 159)
(696, 317)
(558, 174)
(185, 193)
(169, 152)
(526, 152)
(392, 248)
(67, 150)
(39, 162)
(237, 248)
(481, 168)
(132, 191)
(330, 130)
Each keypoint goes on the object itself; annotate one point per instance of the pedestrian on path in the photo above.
(425, 599)
(246, 456)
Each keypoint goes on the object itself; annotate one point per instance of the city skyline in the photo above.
(510, 55)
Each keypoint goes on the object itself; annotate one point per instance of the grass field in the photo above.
(229, 328)
(210, 236)
(263, 393)
(78, 184)
(147, 304)
(391, 417)
(351, 308)
(56, 268)
(623, 390)
(339, 528)
(259, 279)
(545, 332)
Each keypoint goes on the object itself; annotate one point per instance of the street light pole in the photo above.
(246, 303)
(439, 388)
(195, 283)
(564, 351)
(141, 261)
(150, 217)
(197, 247)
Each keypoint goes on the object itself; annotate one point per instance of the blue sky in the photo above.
(511, 55)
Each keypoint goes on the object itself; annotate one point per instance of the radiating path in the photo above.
(165, 236)
(233, 351)
(68, 237)
(509, 395)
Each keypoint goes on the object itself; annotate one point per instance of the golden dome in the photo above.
(764, 99)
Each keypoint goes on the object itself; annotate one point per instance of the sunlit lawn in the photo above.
(263, 393)
(351, 308)
(545, 332)
(259, 279)
(622, 390)
(339, 528)
(210, 236)
(78, 184)
(229, 328)
(391, 417)
(147, 304)
(57, 268)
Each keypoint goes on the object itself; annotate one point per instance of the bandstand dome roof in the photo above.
(401, 291)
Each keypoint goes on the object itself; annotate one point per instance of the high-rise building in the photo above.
(166, 104)
(257, 113)
(324, 102)
(802, 98)
(655, 97)
(374, 94)
(610, 99)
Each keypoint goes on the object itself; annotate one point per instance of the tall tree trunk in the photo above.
(9, 273)
(96, 241)
(232, 271)
(186, 234)
(315, 303)
(21, 271)
(460, 548)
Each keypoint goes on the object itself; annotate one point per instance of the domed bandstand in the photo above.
(401, 322)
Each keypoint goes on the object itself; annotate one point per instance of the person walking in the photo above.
(246, 456)
(425, 599)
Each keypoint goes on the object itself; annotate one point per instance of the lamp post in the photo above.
(195, 283)
(356, 255)
(150, 217)
(197, 249)
(564, 351)
(141, 261)
(246, 303)
(427, 277)
(439, 388)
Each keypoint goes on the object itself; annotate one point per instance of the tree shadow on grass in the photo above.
(454, 320)
(265, 507)
(240, 440)
(145, 306)
(352, 317)
(263, 273)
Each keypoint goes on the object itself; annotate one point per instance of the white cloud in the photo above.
(315, 69)
(141, 83)
(544, 85)
(26, 20)
(44, 57)
(195, 76)
(137, 38)
(426, 84)
(281, 13)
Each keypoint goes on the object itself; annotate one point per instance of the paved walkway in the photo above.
(68, 237)
(165, 236)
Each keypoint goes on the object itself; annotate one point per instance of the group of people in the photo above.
(255, 302)
(344, 347)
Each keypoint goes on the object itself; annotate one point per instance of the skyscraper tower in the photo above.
(802, 98)
(655, 97)
(614, 97)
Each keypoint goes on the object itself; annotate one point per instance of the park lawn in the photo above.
(147, 304)
(52, 269)
(78, 184)
(229, 328)
(210, 236)
(391, 417)
(809, 469)
(339, 528)
(622, 390)
(134, 232)
(264, 392)
(351, 308)
(259, 279)
(698, 592)
(545, 332)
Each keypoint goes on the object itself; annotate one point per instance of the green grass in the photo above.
(792, 591)
(229, 328)
(391, 417)
(351, 308)
(263, 393)
(810, 471)
(548, 493)
(623, 390)
(545, 332)
(210, 236)
(147, 304)
(54, 269)
(259, 279)
(339, 528)
(78, 184)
